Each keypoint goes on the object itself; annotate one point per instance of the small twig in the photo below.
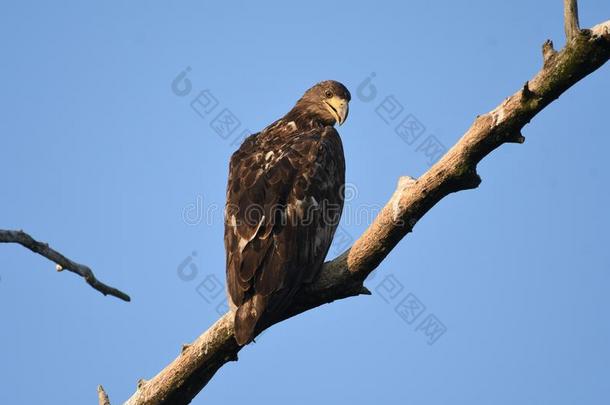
(570, 19)
(548, 52)
(62, 262)
(102, 396)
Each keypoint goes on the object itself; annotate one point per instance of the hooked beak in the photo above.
(339, 108)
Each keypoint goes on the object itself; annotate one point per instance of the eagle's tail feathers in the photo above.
(247, 317)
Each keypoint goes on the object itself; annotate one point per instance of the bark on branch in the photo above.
(343, 277)
(62, 262)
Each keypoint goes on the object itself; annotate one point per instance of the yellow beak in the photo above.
(339, 108)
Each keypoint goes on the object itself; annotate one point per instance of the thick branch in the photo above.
(63, 263)
(570, 19)
(181, 380)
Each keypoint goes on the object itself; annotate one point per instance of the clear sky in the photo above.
(108, 161)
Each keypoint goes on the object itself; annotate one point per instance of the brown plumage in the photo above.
(284, 202)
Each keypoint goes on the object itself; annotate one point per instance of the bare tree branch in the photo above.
(102, 396)
(181, 380)
(570, 19)
(63, 263)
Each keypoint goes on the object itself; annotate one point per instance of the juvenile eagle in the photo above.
(284, 202)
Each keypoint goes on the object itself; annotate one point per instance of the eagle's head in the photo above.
(326, 103)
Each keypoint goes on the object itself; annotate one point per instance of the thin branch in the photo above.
(181, 380)
(570, 19)
(102, 396)
(62, 262)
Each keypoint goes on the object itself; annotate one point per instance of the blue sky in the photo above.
(107, 163)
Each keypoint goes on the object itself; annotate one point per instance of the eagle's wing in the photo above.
(284, 202)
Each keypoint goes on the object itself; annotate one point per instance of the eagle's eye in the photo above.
(328, 94)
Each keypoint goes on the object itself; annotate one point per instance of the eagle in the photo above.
(284, 202)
